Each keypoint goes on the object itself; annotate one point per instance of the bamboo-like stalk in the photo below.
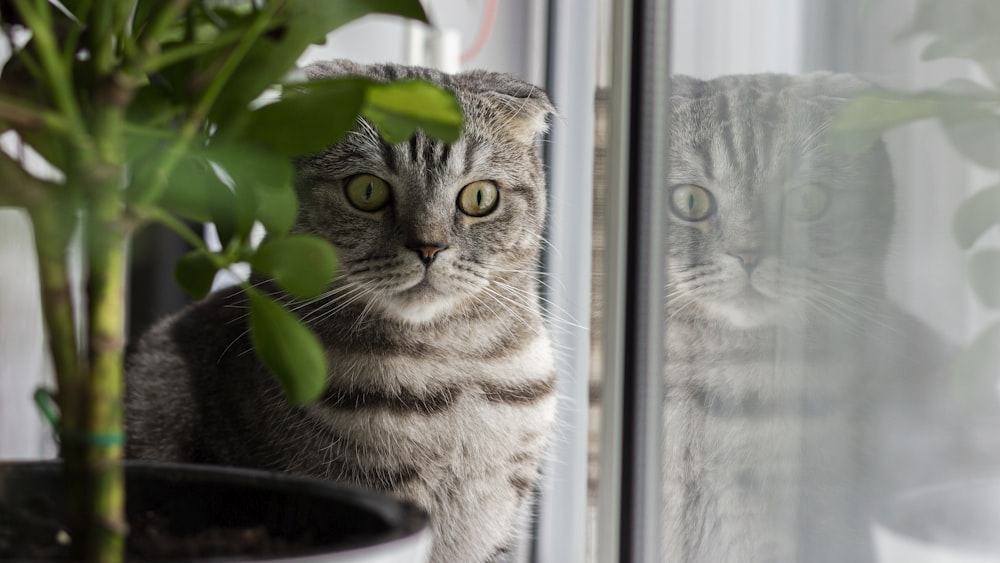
(106, 231)
(103, 427)
(52, 228)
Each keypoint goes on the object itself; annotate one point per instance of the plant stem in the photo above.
(190, 50)
(52, 228)
(211, 93)
(59, 77)
(196, 119)
(24, 115)
(82, 13)
(103, 430)
(52, 236)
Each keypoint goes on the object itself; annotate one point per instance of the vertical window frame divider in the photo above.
(561, 528)
(609, 486)
(643, 387)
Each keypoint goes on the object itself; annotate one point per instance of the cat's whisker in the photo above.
(341, 304)
(855, 312)
(554, 321)
(507, 303)
(359, 322)
(563, 317)
(333, 298)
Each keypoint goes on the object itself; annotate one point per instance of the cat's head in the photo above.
(423, 227)
(770, 223)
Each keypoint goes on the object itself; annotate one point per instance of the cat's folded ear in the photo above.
(527, 107)
(334, 68)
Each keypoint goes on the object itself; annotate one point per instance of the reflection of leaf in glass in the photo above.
(975, 47)
(976, 214)
(864, 119)
(984, 274)
(975, 369)
(974, 131)
(941, 17)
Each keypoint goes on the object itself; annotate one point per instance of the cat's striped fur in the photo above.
(441, 384)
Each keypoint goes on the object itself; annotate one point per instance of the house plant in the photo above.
(145, 111)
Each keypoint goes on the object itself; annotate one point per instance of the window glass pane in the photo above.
(831, 274)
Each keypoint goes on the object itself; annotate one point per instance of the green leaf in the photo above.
(276, 210)
(153, 105)
(976, 214)
(330, 15)
(250, 165)
(262, 183)
(290, 350)
(866, 118)
(195, 272)
(399, 108)
(144, 9)
(302, 22)
(309, 119)
(303, 265)
(233, 211)
(984, 276)
(224, 213)
(50, 145)
(191, 190)
(963, 45)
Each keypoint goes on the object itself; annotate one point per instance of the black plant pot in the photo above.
(206, 510)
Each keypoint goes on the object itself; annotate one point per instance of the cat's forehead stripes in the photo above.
(743, 129)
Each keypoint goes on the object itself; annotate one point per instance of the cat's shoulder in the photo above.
(192, 335)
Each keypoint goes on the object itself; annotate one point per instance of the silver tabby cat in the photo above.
(781, 344)
(441, 383)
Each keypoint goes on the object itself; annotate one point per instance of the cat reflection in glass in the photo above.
(781, 344)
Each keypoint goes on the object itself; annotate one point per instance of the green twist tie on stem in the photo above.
(46, 402)
(99, 439)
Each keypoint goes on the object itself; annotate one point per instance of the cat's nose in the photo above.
(427, 252)
(748, 257)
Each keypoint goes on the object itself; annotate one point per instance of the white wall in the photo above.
(24, 364)
(513, 45)
(715, 37)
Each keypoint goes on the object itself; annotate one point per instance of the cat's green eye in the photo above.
(478, 199)
(691, 202)
(807, 202)
(367, 193)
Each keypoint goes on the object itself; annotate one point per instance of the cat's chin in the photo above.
(748, 313)
(416, 309)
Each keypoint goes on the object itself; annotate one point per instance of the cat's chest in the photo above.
(755, 430)
(451, 405)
